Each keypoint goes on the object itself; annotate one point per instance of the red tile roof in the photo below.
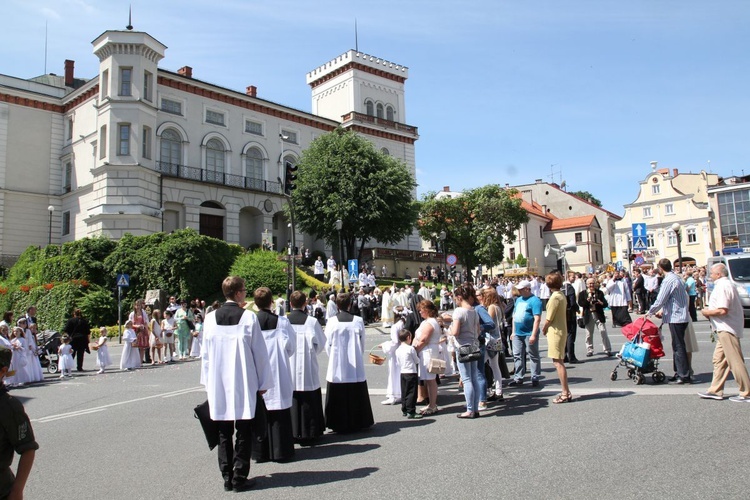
(570, 223)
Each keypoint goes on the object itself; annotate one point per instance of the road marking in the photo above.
(52, 418)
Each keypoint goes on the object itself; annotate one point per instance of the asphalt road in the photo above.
(129, 435)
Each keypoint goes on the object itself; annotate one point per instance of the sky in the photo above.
(503, 91)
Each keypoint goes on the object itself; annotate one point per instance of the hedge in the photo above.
(261, 268)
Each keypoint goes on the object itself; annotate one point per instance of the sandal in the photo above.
(563, 398)
(467, 414)
(428, 411)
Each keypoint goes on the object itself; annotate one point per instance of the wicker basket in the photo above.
(375, 359)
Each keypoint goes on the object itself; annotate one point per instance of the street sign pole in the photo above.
(119, 312)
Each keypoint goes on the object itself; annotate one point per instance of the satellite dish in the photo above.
(563, 184)
(547, 250)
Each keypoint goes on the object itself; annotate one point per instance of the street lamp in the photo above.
(442, 236)
(51, 209)
(676, 228)
(489, 242)
(339, 225)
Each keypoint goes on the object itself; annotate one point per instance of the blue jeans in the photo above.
(520, 347)
(481, 379)
(469, 376)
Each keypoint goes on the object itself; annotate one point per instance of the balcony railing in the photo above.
(231, 180)
(374, 120)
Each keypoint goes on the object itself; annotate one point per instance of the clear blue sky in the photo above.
(500, 90)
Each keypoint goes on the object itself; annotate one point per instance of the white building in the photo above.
(140, 149)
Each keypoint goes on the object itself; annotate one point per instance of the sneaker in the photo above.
(100, 372)
(414, 416)
(482, 406)
(389, 401)
(515, 382)
(740, 399)
(62, 376)
(710, 395)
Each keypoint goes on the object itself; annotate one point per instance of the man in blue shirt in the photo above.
(526, 318)
(672, 306)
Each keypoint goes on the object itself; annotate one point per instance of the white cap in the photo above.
(523, 284)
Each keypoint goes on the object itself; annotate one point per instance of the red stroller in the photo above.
(642, 353)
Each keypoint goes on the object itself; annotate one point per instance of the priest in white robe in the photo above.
(234, 370)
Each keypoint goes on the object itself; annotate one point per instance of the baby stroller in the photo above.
(641, 355)
(49, 342)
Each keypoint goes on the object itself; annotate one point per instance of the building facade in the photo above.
(665, 198)
(140, 149)
(730, 202)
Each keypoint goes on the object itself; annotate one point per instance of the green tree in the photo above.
(477, 224)
(342, 176)
(585, 195)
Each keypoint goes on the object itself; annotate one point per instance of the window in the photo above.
(148, 80)
(389, 112)
(596, 238)
(692, 235)
(215, 117)
(70, 129)
(379, 110)
(170, 106)
(655, 189)
(252, 127)
(214, 159)
(540, 232)
(171, 147)
(596, 255)
(254, 164)
(67, 177)
(385, 151)
(512, 254)
(126, 80)
(369, 109)
(671, 238)
(105, 83)
(146, 153)
(669, 209)
(647, 211)
(65, 223)
(103, 142)
(650, 240)
(579, 237)
(291, 137)
(123, 145)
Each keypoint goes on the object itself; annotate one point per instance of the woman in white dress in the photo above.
(131, 356)
(393, 388)
(347, 407)
(281, 342)
(427, 344)
(308, 419)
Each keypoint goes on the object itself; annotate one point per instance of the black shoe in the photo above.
(682, 381)
(424, 402)
(576, 362)
(534, 383)
(515, 382)
(609, 354)
(227, 485)
(244, 486)
(589, 354)
(673, 378)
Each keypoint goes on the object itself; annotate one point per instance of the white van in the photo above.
(738, 265)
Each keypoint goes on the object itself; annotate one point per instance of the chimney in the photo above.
(69, 72)
(538, 181)
(446, 189)
(653, 166)
(674, 172)
(252, 91)
(185, 71)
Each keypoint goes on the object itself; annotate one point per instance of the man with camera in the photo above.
(592, 304)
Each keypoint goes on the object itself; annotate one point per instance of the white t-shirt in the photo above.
(407, 358)
(725, 296)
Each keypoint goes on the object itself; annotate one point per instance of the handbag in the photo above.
(581, 322)
(469, 352)
(436, 366)
(210, 427)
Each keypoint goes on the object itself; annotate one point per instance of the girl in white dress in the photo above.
(18, 363)
(195, 349)
(131, 356)
(103, 359)
(65, 358)
(33, 365)
(168, 327)
(155, 341)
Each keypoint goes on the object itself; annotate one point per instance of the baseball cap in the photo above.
(523, 284)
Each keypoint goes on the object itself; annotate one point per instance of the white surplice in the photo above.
(238, 367)
(304, 361)
(393, 388)
(280, 344)
(345, 344)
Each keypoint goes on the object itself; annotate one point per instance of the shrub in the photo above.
(98, 306)
(261, 268)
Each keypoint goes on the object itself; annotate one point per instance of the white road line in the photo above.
(61, 416)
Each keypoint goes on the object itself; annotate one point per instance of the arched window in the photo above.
(215, 158)
(171, 147)
(379, 111)
(369, 108)
(389, 113)
(254, 165)
(385, 151)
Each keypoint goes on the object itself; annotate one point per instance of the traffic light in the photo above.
(289, 177)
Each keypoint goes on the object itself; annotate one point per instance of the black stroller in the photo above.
(48, 342)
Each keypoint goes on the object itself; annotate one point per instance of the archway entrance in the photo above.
(212, 219)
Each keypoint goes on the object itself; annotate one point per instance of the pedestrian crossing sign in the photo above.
(640, 244)
(123, 280)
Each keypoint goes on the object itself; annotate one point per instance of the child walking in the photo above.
(65, 359)
(408, 360)
(102, 352)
